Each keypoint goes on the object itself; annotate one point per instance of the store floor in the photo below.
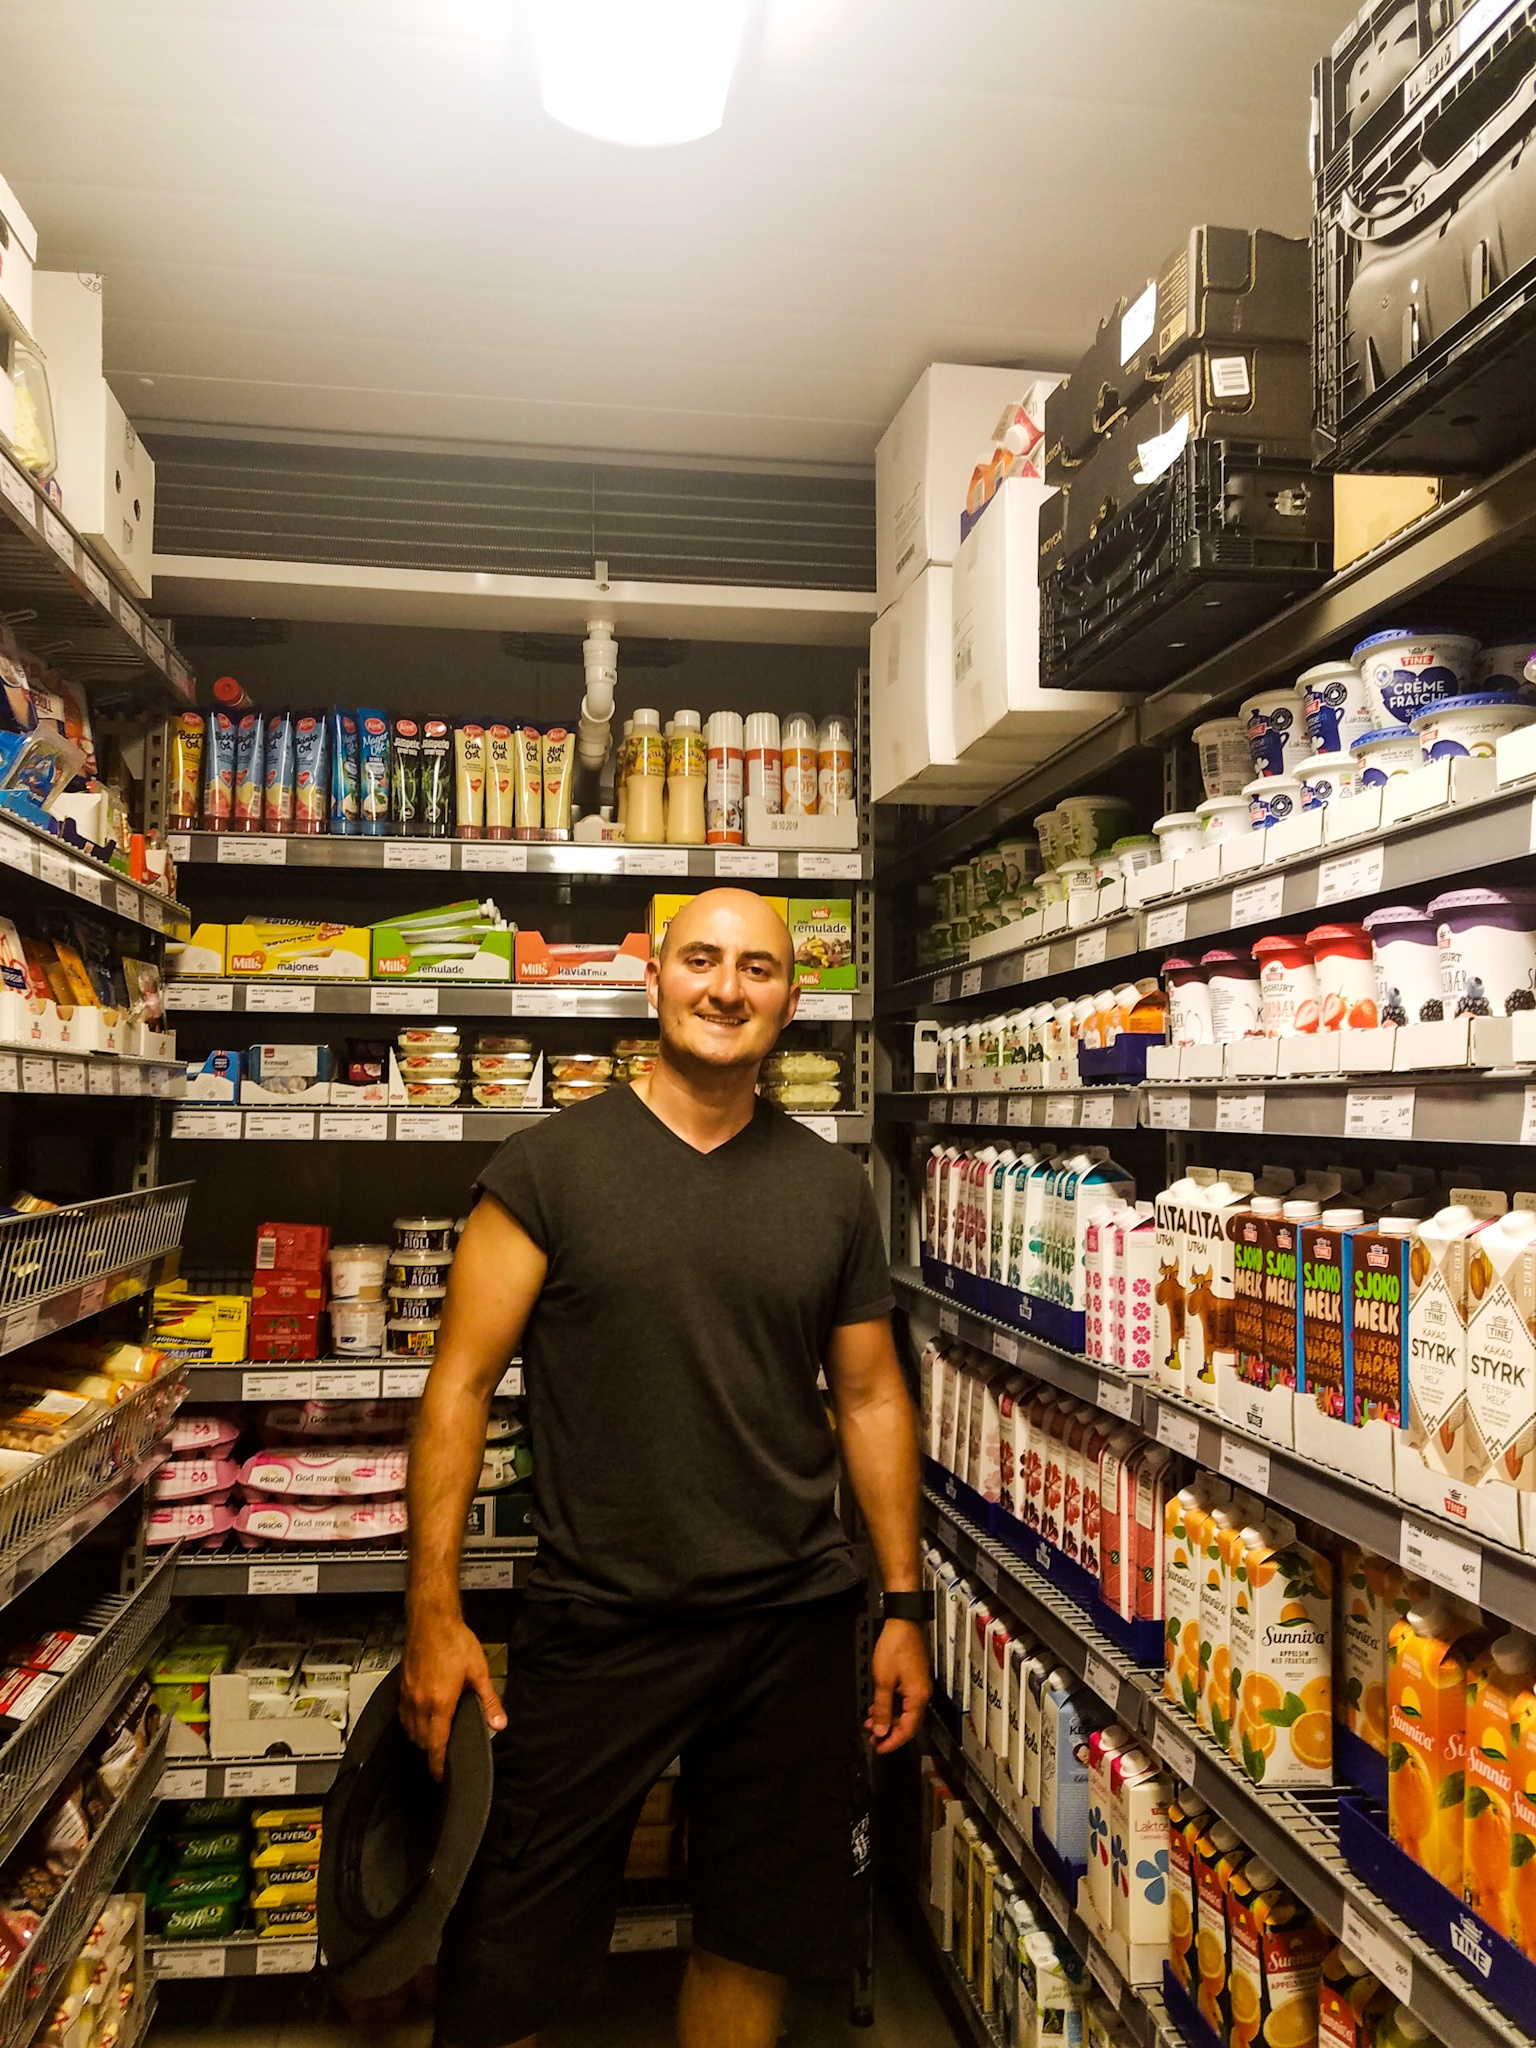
(634, 2011)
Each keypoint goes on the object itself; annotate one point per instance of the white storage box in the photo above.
(105, 474)
(924, 463)
(911, 715)
(18, 253)
(999, 706)
(828, 831)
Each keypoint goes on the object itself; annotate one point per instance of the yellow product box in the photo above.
(208, 1328)
(664, 908)
(822, 931)
(311, 952)
(205, 952)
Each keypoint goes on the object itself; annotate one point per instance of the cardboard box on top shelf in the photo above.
(18, 254)
(924, 462)
(1000, 710)
(1368, 510)
(293, 951)
(911, 703)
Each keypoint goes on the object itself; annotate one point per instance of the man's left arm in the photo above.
(878, 1434)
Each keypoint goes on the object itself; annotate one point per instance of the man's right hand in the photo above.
(442, 1657)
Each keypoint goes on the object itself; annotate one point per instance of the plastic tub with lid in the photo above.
(1487, 946)
(1503, 668)
(1277, 733)
(411, 1340)
(1406, 669)
(1346, 977)
(1335, 706)
(1406, 953)
(1287, 985)
(428, 1038)
(357, 1328)
(1472, 724)
(1092, 822)
(1224, 817)
(1178, 833)
(1237, 1003)
(423, 1233)
(432, 1094)
(416, 1304)
(1325, 777)
(1389, 750)
(1225, 762)
(510, 1043)
(1272, 799)
(1051, 831)
(419, 1269)
(1135, 851)
(1189, 1002)
(357, 1271)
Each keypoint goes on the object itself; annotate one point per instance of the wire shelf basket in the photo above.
(37, 1503)
(44, 1254)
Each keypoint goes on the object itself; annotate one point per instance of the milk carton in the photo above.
(1282, 1292)
(1019, 1404)
(1322, 1251)
(1009, 1211)
(1501, 1352)
(1084, 1526)
(1089, 1183)
(978, 1224)
(1011, 1782)
(1104, 1745)
(1133, 1284)
(1252, 1233)
(1055, 1487)
(957, 1638)
(1171, 1214)
(978, 1620)
(1151, 1470)
(1040, 1411)
(1038, 1672)
(947, 1405)
(1117, 1520)
(987, 1427)
(1026, 1227)
(1138, 1827)
(947, 1189)
(946, 1579)
(1206, 1271)
(1050, 2005)
(997, 1213)
(1016, 1390)
(1438, 1301)
(1068, 1715)
(999, 1641)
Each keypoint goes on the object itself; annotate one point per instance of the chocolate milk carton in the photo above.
(1252, 1233)
(1376, 1290)
(1438, 1299)
(1501, 1352)
(1321, 1250)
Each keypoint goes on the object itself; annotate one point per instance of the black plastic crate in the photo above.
(1228, 537)
(1424, 353)
(1376, 72)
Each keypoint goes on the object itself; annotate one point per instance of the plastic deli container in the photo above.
(1091, 822)
(1346, 976)
(439, 1038)
(357, 1271)
(513, 1044)
(1237, 1004)
(1179, 833)
(1225, 762)
(419, 1269)
(1135, 851)
(432, 1094)
(1407, 957)
(1335, 706)
(1021, 862)
(429, 1066)
(1503, 668)
(1487, 944)
(357, 1328)
(1287, 985)
(1051, 831)
(1277, 733)
(1389, 750)
(1327, 776)
(410, 1340)
(1189, 1002)
(1473, 724)
(502, 1066)
(416, 1304)
(423, 1233)
(1272, 799)
(1406, 670)
(1224, 817)
(1052, 886)
(500, 1094)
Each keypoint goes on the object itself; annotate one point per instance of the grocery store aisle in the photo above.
(635, 2009)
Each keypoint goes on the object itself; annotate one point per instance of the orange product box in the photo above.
(1497, 1680)
(1217, 1855)
(1370, 1600)
(1187, 1814)
(606, 966)
(1276, 1961)
(1282, 1641)
(1351, 2003)
(1427, 1658)
(1522, 1839)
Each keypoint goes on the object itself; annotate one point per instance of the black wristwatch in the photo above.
(906, 1607)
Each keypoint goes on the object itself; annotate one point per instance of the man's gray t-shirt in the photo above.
(682, 1455)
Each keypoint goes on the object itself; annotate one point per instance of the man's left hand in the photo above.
(900, 1669)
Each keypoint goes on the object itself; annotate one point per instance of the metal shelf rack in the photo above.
(568, 862)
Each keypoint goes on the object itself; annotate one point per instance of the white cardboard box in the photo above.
(18, 253)
(911, 715)
(924, 462)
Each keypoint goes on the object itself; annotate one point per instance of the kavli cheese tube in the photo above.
(436, 815)
(278, 807)
(312, 773)
(250, 771)
(529, 783)
(555, 767)
(187, 734)
(345, 772)
(219, 777)
(373, 773)
(405, 776)
(469, 781)
(500, 781)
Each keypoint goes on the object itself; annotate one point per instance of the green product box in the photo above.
(821, 929)
(403, 953)
(500, 1517)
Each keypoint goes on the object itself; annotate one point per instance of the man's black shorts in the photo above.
(763, 1711)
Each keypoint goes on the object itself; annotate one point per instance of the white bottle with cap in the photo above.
(801, 765)
(724, 809)
(764, 779)
(834, 765)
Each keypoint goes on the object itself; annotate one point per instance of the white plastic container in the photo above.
(1092, 822)
(1335, 706)
(1327, 776)
(1272, 799)
(1487, 942)
(1189, 1002)
(1051, 831)
(1472, 724)
(764, 774)
(1405, 671)
(1503, 668)
(834, 766)
(1236, 998)
(1346, 976)
(1178, 833)
(1390, 750)
(357, 1328)
(357, 1273)
(799, 765)
(1407, 959)
(1277, 732)
(1225, 817)
(1287, 985)
(1225, 762)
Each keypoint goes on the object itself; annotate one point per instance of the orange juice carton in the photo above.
(1217, 1856)
(1522, 1839)
(1138, 1829)
(1104, 1745)
(1214, 1694)
(1500, 1441)
(1068, 1715)
(1277, 1951)
(1208, 1274)
(1187, 1814)
(1497, 1680)
(1352, 2005)
(1370, 1601)
(1437, 1333)
(1171, 1212)
(1184, 1530)
(1116, 1521)
(1282, 1633)
(1378, 1259)
(1428, 1654)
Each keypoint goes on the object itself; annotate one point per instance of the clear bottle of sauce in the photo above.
(646, 782)
(685, 781)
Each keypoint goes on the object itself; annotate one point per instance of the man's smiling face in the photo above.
(723, 986)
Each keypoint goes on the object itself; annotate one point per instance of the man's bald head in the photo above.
(750, 920)
(723, 984)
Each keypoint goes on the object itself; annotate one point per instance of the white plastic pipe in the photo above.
(600, 659)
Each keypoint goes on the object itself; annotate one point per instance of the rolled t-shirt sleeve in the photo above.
(511, 1178)
(864, 1290)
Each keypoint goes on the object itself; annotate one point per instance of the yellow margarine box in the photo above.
(202, 953)
(313, 952)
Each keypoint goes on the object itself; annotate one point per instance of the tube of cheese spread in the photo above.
(500, 777)
(250, 771)
(405, 776)
(345, 772)
(279, 776)
(469, 781)
(186, 771)
(312, 773)
(373, 773)
(530, 782)
(219, 781)
(555, 767)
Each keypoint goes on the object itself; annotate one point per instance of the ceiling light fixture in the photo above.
(642, 72)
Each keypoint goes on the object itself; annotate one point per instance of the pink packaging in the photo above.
(361, 1421)
(1137, 1258)
(188, 1521)
(199, 1432)
(361, 1469)
(194, 1479)
(349, 1522)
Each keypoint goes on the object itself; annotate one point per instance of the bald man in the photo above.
(678, 1260)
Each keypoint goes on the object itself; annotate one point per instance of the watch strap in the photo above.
(906, 1607)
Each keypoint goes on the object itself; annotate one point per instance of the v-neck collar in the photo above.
(759, 1109)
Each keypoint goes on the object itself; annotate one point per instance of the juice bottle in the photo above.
(1283, 1640)
(1496, 1679)
(1427, 1658)
(1183, 1527)
(1276, 1956)
(1187, 1815)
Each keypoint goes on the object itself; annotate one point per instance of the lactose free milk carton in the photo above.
(1068, 1715)
(1104, 1745)
(1437, 1327)
(1134, 1284)
(1500, 1442)
(1138, 1830)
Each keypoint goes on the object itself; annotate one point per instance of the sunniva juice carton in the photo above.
(1371, 1600)
(1438, 1302)
(1500, 1443)
(1352, 2005)
(1214, 1697)
(1283, 1641)
(1522, 1840)
(1497, 1680)
(1218, 1855)
(1277, 1951)
(1428, 1654)
(1183, 1531)
(1187, 1814)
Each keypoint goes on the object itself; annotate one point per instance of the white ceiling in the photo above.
(353, 216)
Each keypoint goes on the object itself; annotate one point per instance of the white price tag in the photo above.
(10, 1074)
(641, 1936)
(58, 535)
(184, 1781)
(1036, 965)
(1178, 1432)
(347, 1383)
(1020, 1109)
(87, 887)
(200, 995)
(986, 1570)
(1349, 875)
(970, 982)
(283, 1578)
(15, 489)
(179, 846)
(1103, 1973)
(154, 914)
(258, 851)
(155, 648)
(493, 857)
(36, 1077)
(1053, 1902)
(741, 864)
(1176, 1747)
(1089, 950)
(1166, 927)
(488, 1574)
(277, 1386)
(403, 1382)
(205, 1123)
(127, 900)
(1449, 1561)
(830, 867)
(1060, 1109)
(948, 1534)
(510, 1385)
(17, 851)
(834, 1005)
(430, 1127)
(962, 1109)
(402, 1002)
(354, 1126)
(987, 1107)
(69, 1077)
(1240, 1112)
(941, 988)
(1005, 1347)
(949, 1321)
(280, 1126)
(1116, 1395)
(286, 1958)
(175, 1961)
(1013, 1847)
(1378, 1113)
(1101, 1678)
(245, 1781)
(21, 1326)
(95, 582)
(656, 860)
(53, 867)
(1096, 1112)
(1167, 1109)
(430, 856)
(824, 1127)
(545, 1002)
(267, 996)
(1245, 1464)
(130, 621)
(1384, 1956)
(938, 1107)
(102, 1080)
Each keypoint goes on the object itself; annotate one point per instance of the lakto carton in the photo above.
(1138, 1848)
(1183, 1671)
(1282, 1632)
(1498, 1678)
(1371, 1601)
(1187, 1814)
(1500, 1444)
(1104, 1745)
(1277, 1951)
(1437, 1328)
(1428, 1654)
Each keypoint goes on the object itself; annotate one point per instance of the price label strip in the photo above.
(1444, 1560)
(245, 1781)
(1116, 1395)
(1379, 1113)
(1384, 1956)
(1089, 950)
(1245, 1464)
(1256, 902)
(1176, 1747)
(1167, 927)
(970, 982)
(1005, 1347)
(1240, 1112)
(1349, 875)
(1167, 1109)
(1101, 1678)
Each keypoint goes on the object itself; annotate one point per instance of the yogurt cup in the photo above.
(1224, 817)
(1189, 1002)
(1051, 831)
(1135, 851)
(1052, 886)
(1389, 750)
(1237, 1004)
(1487, 944)
(992, 872)
(1407, 960)
(1504, 668)
(357, 1328)
(960, 890)
(1472, 724)
(1287, 985)
(1179, 833)
(1277, 732)
(1335, 706)
(1021, 860)
(1272, 799)
(1346, 977)
(1091, 822)
(357, 1272)
(1405, 670)
(1327, 776)
(1225, 762)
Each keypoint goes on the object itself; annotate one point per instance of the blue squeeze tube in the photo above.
(345, 772)
(373, 765)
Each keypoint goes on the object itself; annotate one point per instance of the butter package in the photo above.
(822, 933)
(292, 950)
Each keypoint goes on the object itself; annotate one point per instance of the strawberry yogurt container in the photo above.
(1287, 985)
(1346, 977)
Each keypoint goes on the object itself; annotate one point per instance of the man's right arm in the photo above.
(494, 1282)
